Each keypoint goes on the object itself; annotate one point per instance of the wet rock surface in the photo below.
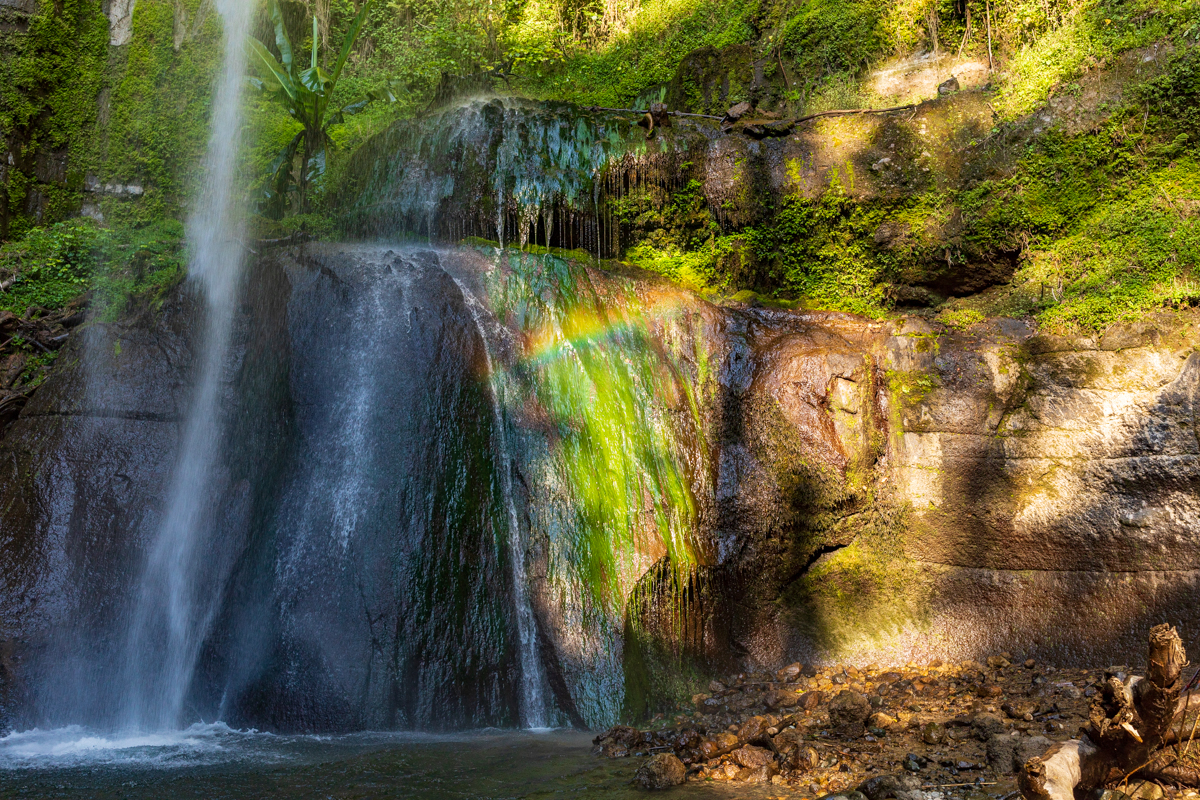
(661, 772)
(1050, 485)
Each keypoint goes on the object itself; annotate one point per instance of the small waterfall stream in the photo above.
(533, 679)
(178, 594)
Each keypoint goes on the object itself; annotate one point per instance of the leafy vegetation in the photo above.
(1099, 222)
(306, 94)
(52, 266)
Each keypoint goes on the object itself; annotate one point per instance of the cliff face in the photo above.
(1048, 488)
(840, 489)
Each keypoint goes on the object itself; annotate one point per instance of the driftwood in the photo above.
(1130, 725)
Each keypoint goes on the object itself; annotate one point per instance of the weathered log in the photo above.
(1055, 774)
(1129, 723)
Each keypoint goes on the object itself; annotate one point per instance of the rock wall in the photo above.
(1047, 490)
(863, 491)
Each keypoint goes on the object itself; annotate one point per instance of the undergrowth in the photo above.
(52, 266)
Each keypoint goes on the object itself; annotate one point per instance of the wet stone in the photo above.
(753, 757)
(985, 725)
(661, 771)
(885, 786)
(848, 713)
(1029, 748)
(1001, 752)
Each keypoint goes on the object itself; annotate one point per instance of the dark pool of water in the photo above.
(214, 762)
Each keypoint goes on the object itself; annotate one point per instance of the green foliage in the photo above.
(52, 266)
(49, 266)
(645, 54)
(306, 94)
(138, 267)
(823, 250)
(157, 128)
(50, 76)
(824, 41)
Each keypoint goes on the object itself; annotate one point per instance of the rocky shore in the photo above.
(928, 732)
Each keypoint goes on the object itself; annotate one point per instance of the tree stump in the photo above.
(1129, 725)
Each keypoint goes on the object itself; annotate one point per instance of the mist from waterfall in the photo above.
(180, 589)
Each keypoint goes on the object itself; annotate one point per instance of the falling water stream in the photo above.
(533, 679)
(179, 589)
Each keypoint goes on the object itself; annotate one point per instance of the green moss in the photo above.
(909, 389)
(53, 266)
(151, 83)
(858, 594)
(50, 76)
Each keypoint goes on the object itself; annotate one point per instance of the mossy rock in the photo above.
(710, 80)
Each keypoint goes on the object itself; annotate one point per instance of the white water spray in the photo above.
(179, 591)
(533, 703)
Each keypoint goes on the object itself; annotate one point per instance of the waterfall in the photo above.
(180, 588)
(533, 702)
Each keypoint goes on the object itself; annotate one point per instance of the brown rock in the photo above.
(717, 745)
(948, 87)
(753, 757)
(810, 700)
(761, 774)
(1018, 709)
(738, 111)
(1001, 752)
(782, 698)
(753, 729)
(985, 725)
(661, 771)
(848, 712)
(884, 786)
(789, 673)
(611, 748)
(804, 759)
(1028, 748)
(989, 690)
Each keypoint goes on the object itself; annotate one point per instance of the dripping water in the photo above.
(180, 587)
(533, 705)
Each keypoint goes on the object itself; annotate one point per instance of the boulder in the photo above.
(933, 733)
(753, 757)
(753, 729)
(884, 786)
(661, 771)
(789, 673)
(1001, 753)
(782, 698)
(804, 759)
(810, 700)
(985, 725)
(1028, 748)
(717, 745)
(848, 713)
